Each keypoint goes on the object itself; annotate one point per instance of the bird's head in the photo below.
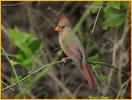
(63, 24)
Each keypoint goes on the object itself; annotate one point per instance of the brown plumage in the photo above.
(73, 48)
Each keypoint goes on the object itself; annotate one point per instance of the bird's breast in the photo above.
(65, 41)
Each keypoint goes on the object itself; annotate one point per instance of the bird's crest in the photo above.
(62, 16)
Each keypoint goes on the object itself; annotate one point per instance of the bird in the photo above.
(72, 47)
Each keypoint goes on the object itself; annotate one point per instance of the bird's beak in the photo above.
(58, 29)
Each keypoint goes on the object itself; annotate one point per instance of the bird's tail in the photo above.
(88, 75)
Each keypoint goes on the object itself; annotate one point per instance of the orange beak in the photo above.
(58, 29)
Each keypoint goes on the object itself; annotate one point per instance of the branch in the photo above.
(53, 63)
(102, 63)
(33, 73)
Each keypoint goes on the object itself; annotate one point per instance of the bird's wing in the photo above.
(74, 52)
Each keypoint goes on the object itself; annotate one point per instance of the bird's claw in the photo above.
(64, 59)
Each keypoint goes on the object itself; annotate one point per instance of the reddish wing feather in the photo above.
(73, 52)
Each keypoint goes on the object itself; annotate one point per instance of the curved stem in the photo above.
(53, 63)
(15, 73)
(102, 63)
(31, 74)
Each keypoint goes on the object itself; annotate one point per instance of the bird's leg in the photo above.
(64, 59)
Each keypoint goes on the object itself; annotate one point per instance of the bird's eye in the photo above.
(63, 26)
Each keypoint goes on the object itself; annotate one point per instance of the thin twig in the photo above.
(9, 55)
(116, 47)
(83, 17)
(61, 85)
(33, 73)
(53, 63)
(97, 17)
(15, 4)
(15, 73)
(123, 87)
(7, 85)
(5, 31)
(102, 63)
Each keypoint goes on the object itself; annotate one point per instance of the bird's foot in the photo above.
(64, 59)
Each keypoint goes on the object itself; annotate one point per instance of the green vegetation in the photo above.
(32, 61)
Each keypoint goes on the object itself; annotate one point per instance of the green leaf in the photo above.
(28, 45)
(114, 15)
(15, 36)
(113, 20)
(34, 44)
(94, 7)
(25, 59)
(116, 5)
(95, 57)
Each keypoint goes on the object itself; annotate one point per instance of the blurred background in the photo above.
(29, 42)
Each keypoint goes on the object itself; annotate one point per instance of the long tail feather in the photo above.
(88, 75)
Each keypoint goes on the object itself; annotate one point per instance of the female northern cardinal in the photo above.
(73, 48)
